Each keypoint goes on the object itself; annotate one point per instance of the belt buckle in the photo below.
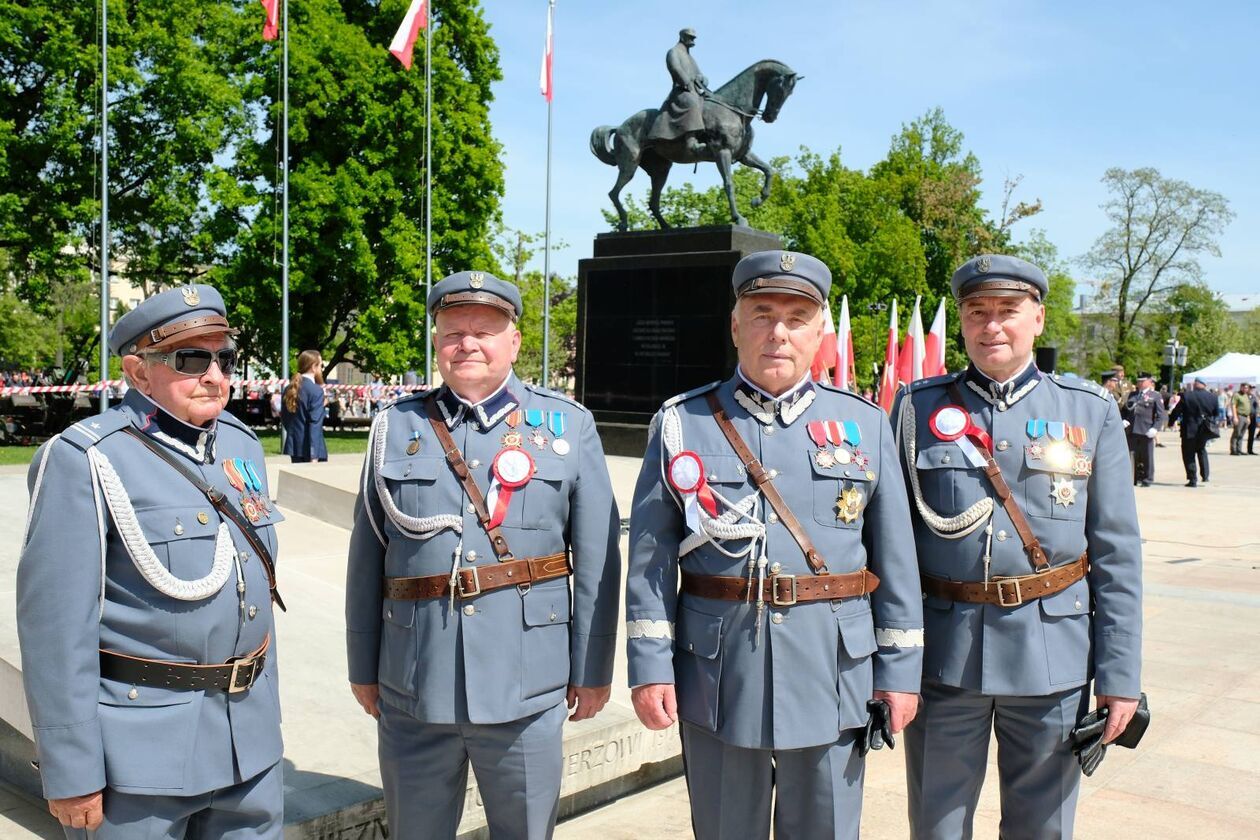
(774, 590)
(1018, 598)
(238, 666)
(459, 583)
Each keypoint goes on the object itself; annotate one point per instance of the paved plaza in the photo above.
(1197, 773)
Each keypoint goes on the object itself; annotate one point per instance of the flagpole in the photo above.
(104, 249)
(551, 6)
(428, 195)
(284, 253)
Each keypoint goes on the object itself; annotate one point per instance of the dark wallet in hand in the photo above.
(1087, 737)
(878, 727)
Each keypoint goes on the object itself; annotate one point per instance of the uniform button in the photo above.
(389, 613)
(847, 472)
(777, 618)
(179, 529)
(1001, 535)
(774, 473)
(769, 430)
(1004, 445)
(775, 569)
(712, 476)
(407, 471)
(553, 616)
(945, 459)
(253, 612)
(472, 508)
(474, 463)
(469, 609)
(244, 556)
(133, 694)
(773, 517)
(1078, 603)
(471, 557)
(202, 518)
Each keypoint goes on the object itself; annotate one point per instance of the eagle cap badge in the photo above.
(476, 279)
(984, 264)
(787, 261)
(191, 296)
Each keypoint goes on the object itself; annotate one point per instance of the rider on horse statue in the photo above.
(682, 114)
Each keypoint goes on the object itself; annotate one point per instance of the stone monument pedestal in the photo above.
(654, 321)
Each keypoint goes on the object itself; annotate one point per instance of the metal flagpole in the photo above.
(546, 343)
(428, 195)
(284, 252)
(104, 249)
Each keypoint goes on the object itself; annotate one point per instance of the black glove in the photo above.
(878, 727)
(1087, 737)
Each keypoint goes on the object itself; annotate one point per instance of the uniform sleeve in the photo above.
(1115, 560)
(58, 620)
(594, 534)
(656, 530)
(888, 536)
(364, 570)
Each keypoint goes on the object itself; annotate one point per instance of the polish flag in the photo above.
(934, 345)
(825, 359)
(888, 383)
(271, 24)
(404, 42)
(846, 371)
(910, 359)
(544, 74)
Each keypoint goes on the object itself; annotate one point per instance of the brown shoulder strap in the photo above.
(456, 460)
(761, 478)
(222, 505)
(1036, 555)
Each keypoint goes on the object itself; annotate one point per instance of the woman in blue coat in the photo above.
(303, 410)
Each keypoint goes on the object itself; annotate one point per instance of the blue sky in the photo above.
(1054, 91)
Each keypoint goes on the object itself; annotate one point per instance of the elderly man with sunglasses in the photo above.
(144, 597)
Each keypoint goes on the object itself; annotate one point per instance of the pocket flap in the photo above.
(547, 603)
(398, 613)
(858, 633)
(401, 469)
(160, 524)
(841, 472)
(115, 693)
(1063, 464)
(549, 469)
(699, 633)
(941, 456)
(723, 469)
(1071, 601)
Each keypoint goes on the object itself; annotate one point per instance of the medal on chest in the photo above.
(513, 438)
(234, 477)
(511, 469)
(849, 504)
(534, 418)
(686, 475)
(834, 439)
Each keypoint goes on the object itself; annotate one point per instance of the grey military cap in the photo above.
(997, 275)
(475, 287)
(782, 272)
(167, 317)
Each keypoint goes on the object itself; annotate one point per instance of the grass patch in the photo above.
(10, 455)
(339, 443)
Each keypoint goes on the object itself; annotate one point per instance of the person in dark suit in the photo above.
(1145, 415)
(1197, 414)
(303, 411)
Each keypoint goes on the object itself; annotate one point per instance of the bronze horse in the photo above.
(728, 116)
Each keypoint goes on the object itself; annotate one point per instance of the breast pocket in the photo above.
(840, 494)
(407, 478)
(1052, 490)
(182, 542)
(546, 501)
(947, 480)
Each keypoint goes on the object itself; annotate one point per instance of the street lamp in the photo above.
(1174, 354)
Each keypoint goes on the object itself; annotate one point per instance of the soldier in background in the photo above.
(1144, 415)
(478, 503)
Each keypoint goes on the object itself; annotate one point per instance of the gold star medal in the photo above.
(849, 504)
(1063, 492)
(512, 439)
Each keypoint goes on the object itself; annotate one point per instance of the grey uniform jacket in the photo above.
(79, 590)
(1049, 644)
(805, 673)
(505, 654)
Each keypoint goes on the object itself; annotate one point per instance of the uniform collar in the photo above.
(197, 442)
(487, 413)
(763, 407)
(1003, 395)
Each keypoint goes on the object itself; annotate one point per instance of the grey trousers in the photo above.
(253, 809)
(947, 746)
(817, 791)
(424, 770)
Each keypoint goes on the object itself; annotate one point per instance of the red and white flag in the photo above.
(404, 42)
(826, 359)
(910, 359)
(271, 24)
(544, 74)
(888, 383)
(846, 371)
(934, 345)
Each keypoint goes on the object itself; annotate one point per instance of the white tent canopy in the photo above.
(1230, 369)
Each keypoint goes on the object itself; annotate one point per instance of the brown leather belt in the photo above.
(782, 590)
(1009, 591)
(234, 676)
(478, 579)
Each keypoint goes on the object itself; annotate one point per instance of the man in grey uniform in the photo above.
(478, 502)
(799, 597)
(144, 609)
(1031, 561)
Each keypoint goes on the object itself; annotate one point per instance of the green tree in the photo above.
(357, 189)
(1159, 228)
(514, 249)
(1062, 323)
(1202, 322)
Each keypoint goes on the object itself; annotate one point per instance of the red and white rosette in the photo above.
(953, 423)
(686, 475)
(512, 469)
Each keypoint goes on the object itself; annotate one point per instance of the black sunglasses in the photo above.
(194, 361)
